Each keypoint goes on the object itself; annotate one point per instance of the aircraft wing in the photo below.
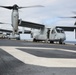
(4, 30)
(31, 25)
(67, 28)
(25, 31)
(41, 26)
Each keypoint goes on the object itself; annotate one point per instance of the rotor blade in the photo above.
(31, 6)
(2, 23)
(68, 17)
(7, 7)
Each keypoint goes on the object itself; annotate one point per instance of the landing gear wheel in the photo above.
(34, 40)
(60, 42)
(51, 41)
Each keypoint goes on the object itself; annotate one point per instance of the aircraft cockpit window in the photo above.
(59, 30)
(62, 31)
(53, 31)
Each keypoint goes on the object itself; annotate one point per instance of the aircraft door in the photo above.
(48, 33)
(53, 34)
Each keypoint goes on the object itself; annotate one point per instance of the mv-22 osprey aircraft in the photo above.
(43, 33)
(15, 18)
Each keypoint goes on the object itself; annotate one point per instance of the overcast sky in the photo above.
(48, 15)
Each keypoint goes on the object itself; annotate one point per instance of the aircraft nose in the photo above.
(62, 36)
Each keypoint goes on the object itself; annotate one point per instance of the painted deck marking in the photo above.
(40, 61)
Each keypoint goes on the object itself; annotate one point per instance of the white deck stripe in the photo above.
(40, 61)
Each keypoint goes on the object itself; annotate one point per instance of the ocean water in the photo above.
(70, 41)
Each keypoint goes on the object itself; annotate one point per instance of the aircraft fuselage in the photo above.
(49, 34)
